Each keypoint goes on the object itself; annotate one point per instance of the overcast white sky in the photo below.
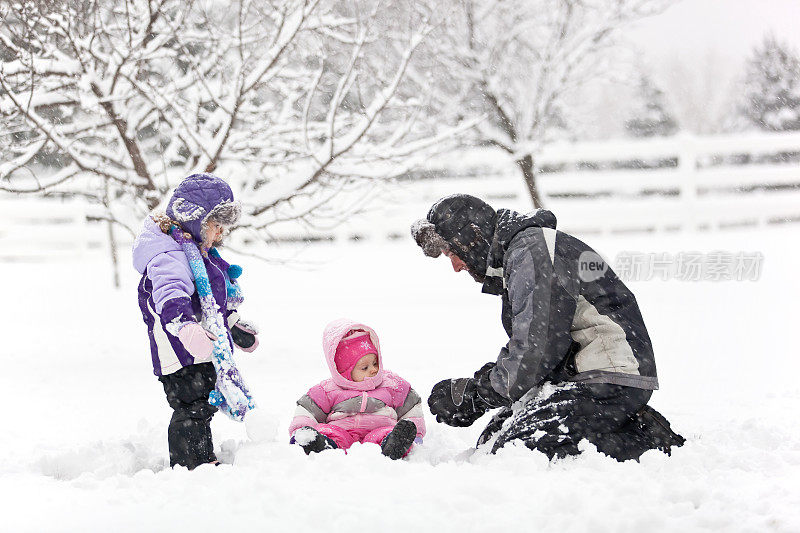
(727, 28)
(696, 51)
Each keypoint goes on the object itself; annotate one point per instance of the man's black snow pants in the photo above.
(614, 418)
(189, 433)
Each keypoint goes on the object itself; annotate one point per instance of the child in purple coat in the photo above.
(202, 206)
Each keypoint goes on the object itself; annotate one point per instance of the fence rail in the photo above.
(34, 229)
(683, 183)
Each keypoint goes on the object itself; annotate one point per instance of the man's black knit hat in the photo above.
(466, 224)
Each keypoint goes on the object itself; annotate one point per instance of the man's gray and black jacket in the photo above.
(568, 316)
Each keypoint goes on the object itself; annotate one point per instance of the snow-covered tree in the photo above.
(772, 87)
(291, 100)
(518, 63)
(649, 116)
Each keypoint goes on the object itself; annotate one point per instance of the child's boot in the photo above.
(312, 440)
(399, 440)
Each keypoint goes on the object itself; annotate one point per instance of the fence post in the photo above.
(687, 168)
(83, 228)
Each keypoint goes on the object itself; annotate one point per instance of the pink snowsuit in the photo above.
(349, 411)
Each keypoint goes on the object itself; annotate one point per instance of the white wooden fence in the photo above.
(703, 187)
(33, 229)
(701, 190)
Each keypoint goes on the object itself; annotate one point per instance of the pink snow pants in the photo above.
(345, 438)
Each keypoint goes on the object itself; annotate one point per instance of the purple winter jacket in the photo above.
(167, 295)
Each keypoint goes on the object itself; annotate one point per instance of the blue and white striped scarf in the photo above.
(230, 394)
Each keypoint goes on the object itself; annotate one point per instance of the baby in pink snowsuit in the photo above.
(361, 402)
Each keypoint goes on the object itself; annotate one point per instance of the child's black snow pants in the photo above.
(614, 418)
(189, 433)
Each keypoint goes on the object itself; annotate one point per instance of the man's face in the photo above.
(459, 265)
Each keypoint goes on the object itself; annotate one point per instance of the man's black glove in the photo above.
(484, 389)
(455, 402)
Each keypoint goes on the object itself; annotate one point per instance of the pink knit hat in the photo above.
(355, 345)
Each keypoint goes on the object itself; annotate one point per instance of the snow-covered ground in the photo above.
(84, 430)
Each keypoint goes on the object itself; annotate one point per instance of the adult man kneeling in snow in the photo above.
(578, 363)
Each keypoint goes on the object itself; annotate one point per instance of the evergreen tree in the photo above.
(772, 87)
(650, 117)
